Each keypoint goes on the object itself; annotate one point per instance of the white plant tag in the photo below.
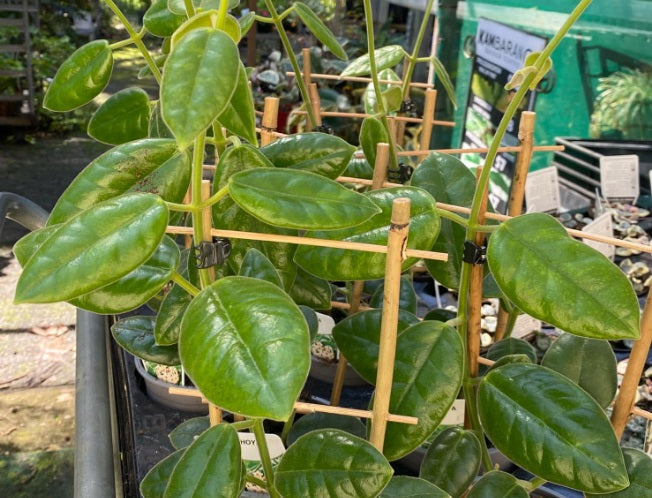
(619, 177)
(455, 415)
(602, 225)
(326, 324)
(249, 446)
(542, 190)
(525, 325)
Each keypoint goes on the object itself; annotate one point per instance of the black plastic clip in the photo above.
(474, 254)
(401, 174)
(214, 253)
(408, 107)
(325, 129)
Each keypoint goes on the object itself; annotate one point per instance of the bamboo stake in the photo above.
(517, 192)
(309, 241)
(307, 78)
(627, 393)
(396, 243)
(301, 407)
(359, 79)
(380, 173)
(475, 294)
(362, 115)
(316, 103)
(270, 121)
(474, 150)
(400, 132)
(428, 117)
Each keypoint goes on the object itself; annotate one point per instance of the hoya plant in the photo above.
(239, 324)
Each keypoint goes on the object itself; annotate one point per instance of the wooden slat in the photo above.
(13, 72)
(13, 48)
(11, 98)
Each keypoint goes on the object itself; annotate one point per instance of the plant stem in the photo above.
(371, 44)
(511, 320)
(136, 38)
(259, 432)
(456, 218)
(178, 279)
(256, 481)
(414, 58)
(287, 426)
(220, 140)
(243, 424)
(221, 14)
(128, 41)
(535, 482)
(278, 22)
(190, 8)
(197, 214)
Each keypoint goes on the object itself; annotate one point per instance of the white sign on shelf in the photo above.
(525, 325)
(619, 177)
(602, 225)
(542, 190)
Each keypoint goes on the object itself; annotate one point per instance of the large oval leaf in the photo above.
(407, 298)
(136, 335)
(372, 132)
(428, 373)
(256, 265)
(319, 29)
(549, 426)
(160, 21)
(511, 345)
(411, 487)
(452, 460)
(122, 118)
(156, 480)
(173, 306)
(562, 281)
(389, 92)
(299, 199)
(639, 470)
(239, 116)
(310, 290)
(497, 484)
(358, 337)
(199, 78)
(386, 57)
(81, 77)
(186, 432)
(353, 467)
(94, 249)
(344, 264)
(237, 353)
(150, 165)
(324, 154)
(590, 363)
(210, 466)
(317, 421)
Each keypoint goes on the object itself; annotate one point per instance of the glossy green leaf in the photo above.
(30, 243)
(319, 29)
(299, 199)
(256, 265)
(639, 471)
(179, 6)
(239, 116)
(369, 95)
(411, 487)
(157, 127)
(511, 345)
(452, 460)
(440, 314)
(122, 118)
(509, 358)
(353, 467)
(215, 4)
(311, 291)
(444, 79)
(428, 373)
(156, 480)
(324, 154)
(81, 77)
(386, 57)
(590, 363)
(521, 408)
(359, 167)
(372, 132)
(358, 337)
(199, 78)
(561, 281)
(186, 432)
(207, 19)
(136, 335)
(497, 484)
(135, 288)
(318, 421)
(344, 264)
(210, 466)
(149, 165)
(160, 21)
(94, 249)
(246, 22)
(311, 319)
(238, 353)
(168, 320)
(393, 98)
(407, 297)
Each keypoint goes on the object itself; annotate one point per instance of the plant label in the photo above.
(542, 190)
(619, 176)
(602, 225)
(326, 324)
(249, 446)
(525, 325)
(455, 415)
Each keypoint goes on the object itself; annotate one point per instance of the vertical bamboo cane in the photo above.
(627, 393)
(270, 121)
(400, 133)
(475, 296)
(428, 116)
(517, 192)
(307, 78)
(214, 413)
(396, 243)
(187, 239)
(393, 128)
(315, 101)
(380, 173)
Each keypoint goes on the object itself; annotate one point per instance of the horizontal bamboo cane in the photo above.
(362, 115)
(476, 150)
(361, 79)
